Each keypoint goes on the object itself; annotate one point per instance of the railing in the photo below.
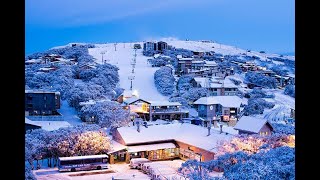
(46, 118)
(168, 110)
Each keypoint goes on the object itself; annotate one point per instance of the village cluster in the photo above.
(208, 105)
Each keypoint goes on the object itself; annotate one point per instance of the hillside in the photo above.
(143, 82)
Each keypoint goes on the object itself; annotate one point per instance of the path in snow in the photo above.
(122, 58)
(69, 113)
(282, 102)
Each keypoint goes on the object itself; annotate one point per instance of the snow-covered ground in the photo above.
(219, 48)
(122, 58)
(282, 102)
(69, 113)
(117, 171)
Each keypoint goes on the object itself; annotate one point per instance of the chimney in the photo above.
(221, 128)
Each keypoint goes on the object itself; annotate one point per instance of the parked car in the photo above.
(135, 162)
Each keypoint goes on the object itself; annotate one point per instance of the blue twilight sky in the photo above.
(267, 25)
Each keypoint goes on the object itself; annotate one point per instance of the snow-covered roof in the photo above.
(179, 56)
(46, 69)
(40, 91)
(53, 55)
(211, 63)
(156, 55)
(116, 146)
(150, 147)
(83, 157)
(52, 125)
(227, 83)
(197, 62)
(225, 101)
(62, 59)
(186, 133)
(186, 59)
(291, 75)
(250, 124)
(90, 102)
(164, 103)
(165, 56)
(28, 121)
(130, 100)
(215, 82)
(127, 93)
(33, 61)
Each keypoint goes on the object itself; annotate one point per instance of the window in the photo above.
(45, 98)
(105, 160)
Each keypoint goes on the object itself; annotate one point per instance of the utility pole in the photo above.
(131, 78)
(115, 46)
(102, 53)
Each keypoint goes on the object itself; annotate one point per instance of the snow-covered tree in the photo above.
(184, 83)
(252, 144)
(82, 93)
(194, 93)
(261, 80)
(159, 61)
(82, 139)
(290, 90)
(107, 114)
(28, 174)
(257, 106)
(278, 163)
(181, 100)
(259, 93)
(280, 70)
(194, 170)
(283, 128)
(164, 80)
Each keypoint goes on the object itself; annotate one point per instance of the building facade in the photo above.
(150, 46)
(42, 102)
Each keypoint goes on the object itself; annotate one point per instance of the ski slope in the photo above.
(143, 81)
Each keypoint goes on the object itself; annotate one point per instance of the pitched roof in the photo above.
(225, 101)
(187, 133)
(251, 124)
(134, 99)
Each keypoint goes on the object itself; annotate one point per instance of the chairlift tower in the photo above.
(102, 53)
(131, 77)
(115, 46)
